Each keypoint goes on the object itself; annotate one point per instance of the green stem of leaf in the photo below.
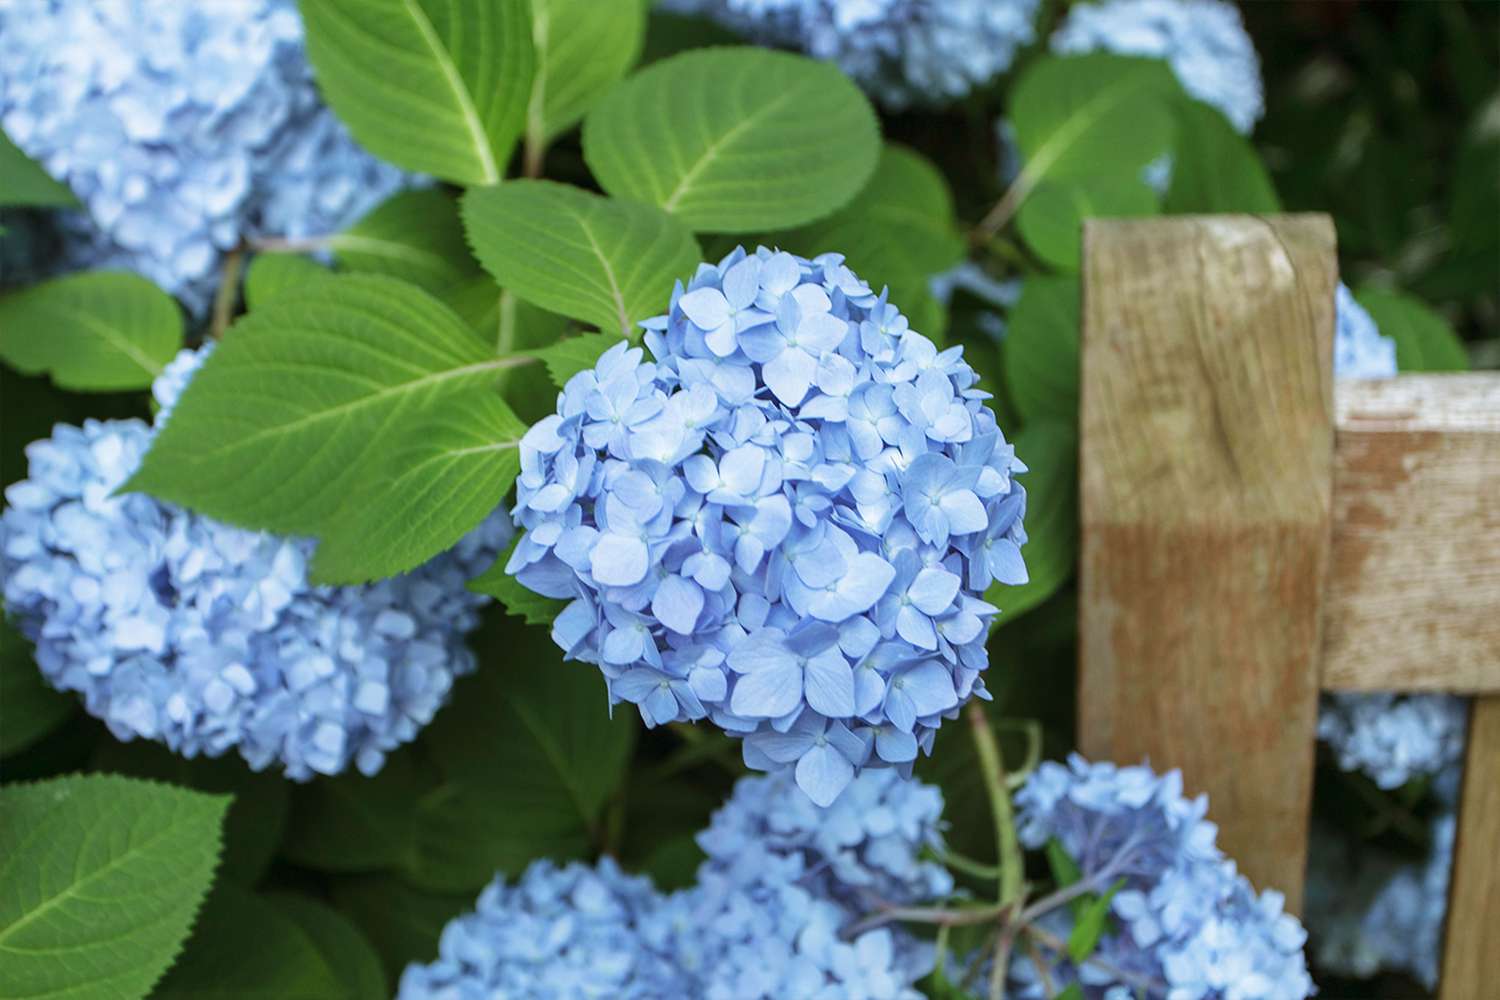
(228, 293)
(1008, 846)
(1005, 209)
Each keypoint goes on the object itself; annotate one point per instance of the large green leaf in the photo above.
(735, 140)
(537, 784)
(900, 226)
(604, 261)
(99, 880)
(402, 921)
(436, 86)
(446, 473)
(412, 235)
(1424, 340)
(31, 707)
(1214, 168)
(24, 182)
(269, 274)
(304, 396)
(1041, 350)
(1050, 449)
(1078, 117)
(583, 48)
(245, 947)
(95, 332)
(571, 355)
(1051, 220)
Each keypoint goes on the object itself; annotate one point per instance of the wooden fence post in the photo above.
(1205, 476)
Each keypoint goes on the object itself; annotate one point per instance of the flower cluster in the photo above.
(1359, 348)
(1204, 41)
(1370, 910)
(202, 636)
(784, 524)
(1187, 921)
(901, 51)
(1394, 738)
(781, 881)
(182, 128)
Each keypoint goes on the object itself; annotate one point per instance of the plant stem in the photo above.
(990, 766)
(967, 865)
(280, 244)
(1056, 945)
(228, 292)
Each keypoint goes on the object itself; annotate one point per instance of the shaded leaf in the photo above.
(571, 355)
(98, 331)
(583, 49)
(1424, 340)
(412, 235)
(32, 707)
(1214, 168)
(269, 274)
(515, 598)
(1051, 220)
(402, 921)
(345, 949)
(353, 823)
(1041, 350)
(1050, 449)
(23, 181)
(735, 140)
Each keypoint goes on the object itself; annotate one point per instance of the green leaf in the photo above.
(434, 86)
(24, 182)
(1050, 449)
(583, 49)
(516, 599)
(1214, 168)
(1041, 350)
(245, 947)
(1424, 340)
(269, 274)
(256, 816)
(1065, 870)
(32, 707)
(351, 823)
(446, 474)
(412, 235)
(1051, 220)
(344, 948)
(1072, 992)
(603, 261)
(99, 880)
(537, 784)
(93, 332)
(303, 397)
(901, 226)
(1091, 920)
(1078, 117)
(515, 327)
(402, 921)
(571, 355)
(735, 140)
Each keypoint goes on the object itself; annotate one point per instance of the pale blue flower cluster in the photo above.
(1394, 738)
(1370, 910)
(1359, 348)
(182, 128)
(901, 51)
(205, 637)
(783, 880)
(1186, 920)
(1204, 41)
(784, 524)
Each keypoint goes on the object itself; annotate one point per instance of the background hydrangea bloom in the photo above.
(782, 879)
(182, 128)
(901, 51)
(1186, 918)
(784, 524)
(204, 637)
(1204, 41)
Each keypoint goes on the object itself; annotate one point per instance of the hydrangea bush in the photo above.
(488, 545)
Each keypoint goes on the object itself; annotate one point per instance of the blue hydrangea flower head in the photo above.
(1370, 910)
(1394, 738)
(182, 128)
(1359, 348)
(205, 637)
(785, 523)
(1204, 41)
(782, 881)
(1185, 917)
(901, 51)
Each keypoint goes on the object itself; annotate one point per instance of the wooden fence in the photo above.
(1254, 533)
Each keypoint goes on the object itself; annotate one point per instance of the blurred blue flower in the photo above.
(782, 881)
(1184, 916)
(901, 51)
(793, 536)
(1359, 348)
(1204, 41)
(205, 637)
(182, 128)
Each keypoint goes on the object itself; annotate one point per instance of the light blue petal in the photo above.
(706, 307)
(829, 684)
(823, 773)
(769, 692)
(930, 687)
(964, 511)
(619, 560)
(789, 375)
(677, 604)
(933, 590)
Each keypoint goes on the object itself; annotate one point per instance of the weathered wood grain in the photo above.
(1414, 584)
(1206, 473)
(1471, 945)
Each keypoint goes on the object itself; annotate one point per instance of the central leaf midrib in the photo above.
(466, 106)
